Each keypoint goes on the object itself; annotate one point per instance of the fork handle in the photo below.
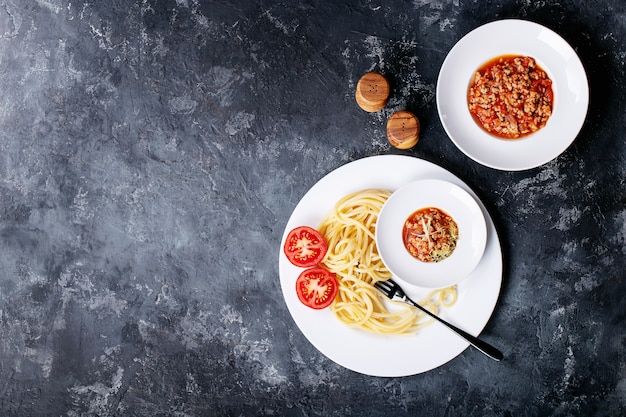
(481, 345)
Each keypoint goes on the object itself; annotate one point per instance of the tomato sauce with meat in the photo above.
(510, 96)
(430, 234)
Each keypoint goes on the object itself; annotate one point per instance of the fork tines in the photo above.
(389, 288)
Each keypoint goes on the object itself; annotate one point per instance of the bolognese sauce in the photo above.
(510, 96)
(430, 234)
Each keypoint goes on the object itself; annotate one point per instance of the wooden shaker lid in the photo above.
(372, 92)
(403, 129)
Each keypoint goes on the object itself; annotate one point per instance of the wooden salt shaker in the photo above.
(372, 92)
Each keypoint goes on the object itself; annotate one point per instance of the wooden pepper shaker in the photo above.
(403, 129)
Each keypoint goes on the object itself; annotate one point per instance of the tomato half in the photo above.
(317, 288)
(305, 247)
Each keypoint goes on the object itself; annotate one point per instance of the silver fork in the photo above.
(392, 290)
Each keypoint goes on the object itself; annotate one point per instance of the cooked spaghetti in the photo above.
(349, 230)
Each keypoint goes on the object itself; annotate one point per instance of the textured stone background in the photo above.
(151, 153)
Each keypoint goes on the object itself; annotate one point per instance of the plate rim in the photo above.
(489, 270)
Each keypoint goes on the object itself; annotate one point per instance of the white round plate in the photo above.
(553, 54)
(453, 200)
(359, 350)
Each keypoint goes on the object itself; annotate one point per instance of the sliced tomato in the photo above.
(305, 247)
(317, 288)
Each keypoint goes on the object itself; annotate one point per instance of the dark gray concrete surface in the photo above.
(151, 153)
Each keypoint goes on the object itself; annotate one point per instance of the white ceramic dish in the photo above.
(356, 349)
(453, 200)
(553, 54)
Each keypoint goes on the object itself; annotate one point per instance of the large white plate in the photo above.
(553, 54)
(362, 351)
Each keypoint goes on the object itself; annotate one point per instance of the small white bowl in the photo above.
(453, 200)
